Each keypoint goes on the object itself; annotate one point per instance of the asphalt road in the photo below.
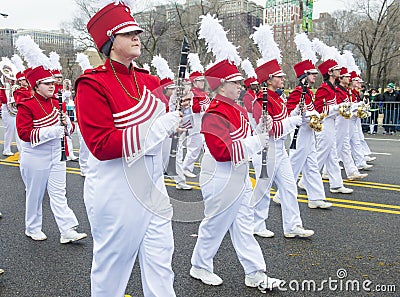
(355, 242)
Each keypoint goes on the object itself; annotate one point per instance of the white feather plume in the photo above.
(32, 53)
(304, 46)
(55, 60)
(146, 66)
(83, 61)
(162, 68)
(17, 61)
(263, 37)
(194, 63)
(214, 35)
(350, 62)
(248, 68)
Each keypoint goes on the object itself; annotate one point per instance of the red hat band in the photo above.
(195, 75)
(167, 83)
(247, 82)
(220, 72)
(39, 74)
(268, 70)
(328, 65)
(20, 75)
(304, 67)
(110, 20)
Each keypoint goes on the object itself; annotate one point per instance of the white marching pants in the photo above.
(283, 177)
(357, 149)
(180, 178)
(304, 159)
(237, 219)
(364, 144)
(194, 144)
(123, 229)
(41, 168)
(327, 154)
(10, 130)
(343, 145)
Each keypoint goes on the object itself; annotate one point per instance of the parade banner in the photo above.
(307, 16)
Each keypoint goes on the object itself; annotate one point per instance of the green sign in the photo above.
(307, 15)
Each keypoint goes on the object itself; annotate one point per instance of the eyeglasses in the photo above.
(47, 83)
(238, 82)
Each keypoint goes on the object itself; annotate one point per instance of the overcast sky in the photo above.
(49, 14)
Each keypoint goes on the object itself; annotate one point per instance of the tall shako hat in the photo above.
(38, 62)
(328, 55)
(163, 71)
(308, 57)
(226, 56)
(115, 17)
(196, 69)
(19, 64)
(55, 61)
(83, 61)
(251, 74)
(268, 65)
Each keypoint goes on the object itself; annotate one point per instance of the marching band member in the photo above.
(224, 177)
(123, 125)
(201, 101)
(303, 156)
(38, 125)
(66, 92)
(279, 167)
(251, 85)
(56, 70)
(325, 101)
(343, 127)
(7, 81)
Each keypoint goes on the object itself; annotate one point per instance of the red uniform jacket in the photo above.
(295, 96)
(248, 100)
(34, 113)
(22, 93)
(223, 125)
(276, 109)
(201, 101)
(326, 94)
(342, 94)
(3, 96)
(355, 96)
(110, 114)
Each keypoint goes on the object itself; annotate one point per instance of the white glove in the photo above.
(49, 133)
(334, 107)
(290, 123)
(312, 112)
(295, 111)
(354, 106)
(160, 129)
(255, 143)
(261, 125)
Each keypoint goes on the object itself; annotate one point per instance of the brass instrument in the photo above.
(171, 168)
(345, 110)
(363, 110)
(9, 71)
(264, 155)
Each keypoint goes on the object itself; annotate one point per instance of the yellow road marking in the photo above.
(342, 203)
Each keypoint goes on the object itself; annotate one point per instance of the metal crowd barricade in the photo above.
(383, 114)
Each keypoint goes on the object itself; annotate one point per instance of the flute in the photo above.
(63, 154)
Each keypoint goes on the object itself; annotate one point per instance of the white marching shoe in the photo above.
(205, 276)
(183, 186)
(37, 236)
(319, 204)
(71, 235)
(188, 173)
(265, 233)
(262, 281)
(325, 176)
(300, 232)
(301, 185)
(365, 167)
(342, 190)
(357, 175)
(276, 198)
(369, 159)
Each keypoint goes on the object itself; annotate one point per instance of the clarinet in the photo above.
(171, 168)
(63, 154)
(264, 155)
(302, 104)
